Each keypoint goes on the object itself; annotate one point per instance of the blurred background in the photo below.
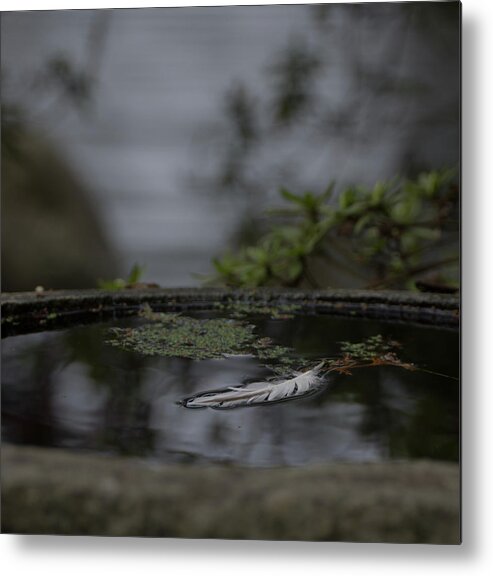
(161, 136)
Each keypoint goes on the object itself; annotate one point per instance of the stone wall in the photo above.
(58, 492)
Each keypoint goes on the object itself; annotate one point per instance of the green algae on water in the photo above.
(174, 335)
(185, 337)
(240, 309)
(372, 347)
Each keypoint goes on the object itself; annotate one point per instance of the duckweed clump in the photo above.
(277, 358)
(372, 347)
(238, 309)
(174, 335)
(184, 337)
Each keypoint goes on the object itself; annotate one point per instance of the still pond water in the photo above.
(71, 389)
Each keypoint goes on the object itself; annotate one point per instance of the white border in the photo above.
(63, 4)
(81, 556)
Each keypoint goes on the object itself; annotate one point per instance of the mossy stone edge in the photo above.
(32, 312)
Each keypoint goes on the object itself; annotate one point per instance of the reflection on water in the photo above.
(70, 389)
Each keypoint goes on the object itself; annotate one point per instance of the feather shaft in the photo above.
(258, 392)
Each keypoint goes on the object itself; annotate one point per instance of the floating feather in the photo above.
(258, 392)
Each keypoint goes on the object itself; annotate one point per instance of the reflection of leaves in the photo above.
(121, 377)
(84, 345)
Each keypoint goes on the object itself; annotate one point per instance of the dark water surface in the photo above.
(70, 389)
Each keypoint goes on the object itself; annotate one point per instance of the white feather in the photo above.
(258, 392)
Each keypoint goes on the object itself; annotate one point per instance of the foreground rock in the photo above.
(57, 492)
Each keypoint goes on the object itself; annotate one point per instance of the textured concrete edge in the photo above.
(23, 312)
(406, 502)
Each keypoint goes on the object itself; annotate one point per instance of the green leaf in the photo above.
(409, 242)
(372, 219)
(310, 202)
(224, 265)
(428, 234)
(356, 209)
(378, 193)
(372, 233)
(256, 254)
(407, 210)
(328, 192)
(290, 197)
(135, 273)
(293, 269)
(119, 283)
(396, 264)
(362, 223)
(115, 284)
(347, 198)
(430, 183)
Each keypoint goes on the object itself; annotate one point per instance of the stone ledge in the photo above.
(58, 492)
(26, 312)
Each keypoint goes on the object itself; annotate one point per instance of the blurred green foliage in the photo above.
(389, 228)
(329, 93)
(134, 277)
